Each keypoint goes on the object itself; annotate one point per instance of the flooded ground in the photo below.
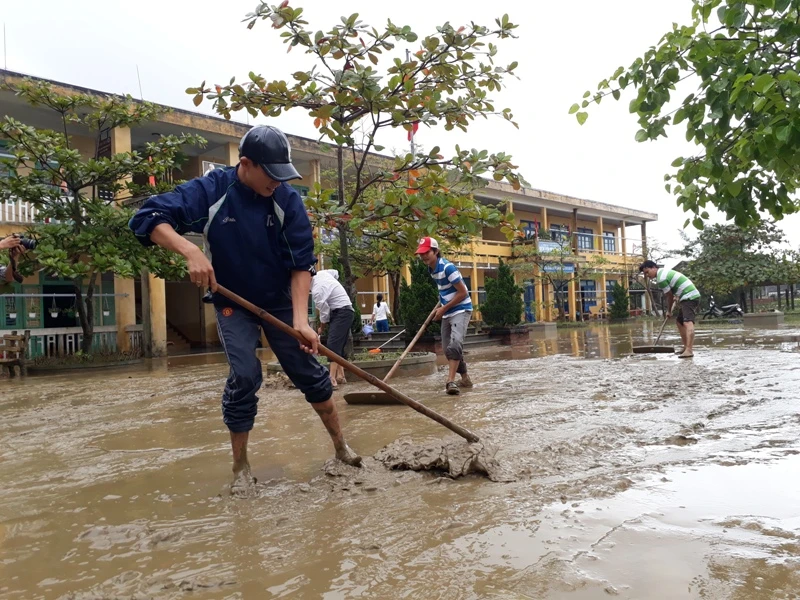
(636, 477)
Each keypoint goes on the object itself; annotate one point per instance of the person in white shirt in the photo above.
(336, 311)
(380, 315)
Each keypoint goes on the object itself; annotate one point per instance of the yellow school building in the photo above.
(163, 317)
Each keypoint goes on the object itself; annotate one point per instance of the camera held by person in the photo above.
(16, 244)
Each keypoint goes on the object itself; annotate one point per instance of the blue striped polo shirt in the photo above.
(446, 277)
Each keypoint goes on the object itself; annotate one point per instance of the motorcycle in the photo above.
(729, 310)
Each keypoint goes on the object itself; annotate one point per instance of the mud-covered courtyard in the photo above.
(636, 476)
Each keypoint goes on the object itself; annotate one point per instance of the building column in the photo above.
(231, 154)
(125, 311)
(544, 301)
(624, 257)
(406, 273)
(602, 247)
(571, 298)
(474, 283)
(644, 241)
(545, 223)
(574, 232)
(154, 315)
(125, 306)
(648, 299)
(603, 293)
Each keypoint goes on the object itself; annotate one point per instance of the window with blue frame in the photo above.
(585, 238)
(530, 228)
(559, 233)
(5, 155)
(302, 190)
(588, 294)
(609, 241)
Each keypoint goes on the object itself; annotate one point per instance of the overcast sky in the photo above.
(564, 48)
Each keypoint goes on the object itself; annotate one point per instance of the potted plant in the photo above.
(54, 309)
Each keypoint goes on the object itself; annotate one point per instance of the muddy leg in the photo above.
(333, 370)
(330, 418)
(242, 477)
(689, 341)
(682, 331)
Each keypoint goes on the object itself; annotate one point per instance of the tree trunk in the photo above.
(787, 297)
(791, 287)
(743, 300)
(344, 249)
(394, 281)
(779, 296)
(752, 301)
(85, 308)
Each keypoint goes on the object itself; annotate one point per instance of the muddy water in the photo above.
(636, 477)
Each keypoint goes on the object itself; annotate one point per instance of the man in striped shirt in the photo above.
(676, 285)
(455, 311)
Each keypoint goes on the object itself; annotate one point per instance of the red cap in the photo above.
(426, 244)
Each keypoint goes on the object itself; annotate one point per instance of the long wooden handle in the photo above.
(411, 345)
(332, 356)
(666, 318)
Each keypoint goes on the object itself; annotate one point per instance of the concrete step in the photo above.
(176, 343)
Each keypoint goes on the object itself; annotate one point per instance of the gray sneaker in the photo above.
(452, 389)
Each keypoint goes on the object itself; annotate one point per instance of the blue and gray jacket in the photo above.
(253, 243)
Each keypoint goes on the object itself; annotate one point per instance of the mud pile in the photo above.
(454, 458)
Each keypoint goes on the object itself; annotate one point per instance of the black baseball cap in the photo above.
(648, 264)
(269, 147)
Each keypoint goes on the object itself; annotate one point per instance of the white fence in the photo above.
(16, 211)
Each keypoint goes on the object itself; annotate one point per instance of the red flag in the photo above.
(413, 130)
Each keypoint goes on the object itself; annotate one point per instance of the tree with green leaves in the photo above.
(619, 303)
(360, 85)
(417, 300)
(742, 56)
(553, 260)
(729, 259)
(503, 306)
(82, 231)
(380, 247)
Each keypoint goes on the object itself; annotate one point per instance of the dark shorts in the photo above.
(688, 310)
(339, 329)
(240, 333)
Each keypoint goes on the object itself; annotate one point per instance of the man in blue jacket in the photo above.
(258, 244)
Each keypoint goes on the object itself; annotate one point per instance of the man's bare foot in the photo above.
(348, 456)
(243, 484)
(341, 379)
(685, 355)
(465, 382)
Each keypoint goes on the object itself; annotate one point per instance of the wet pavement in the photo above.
(636, 476)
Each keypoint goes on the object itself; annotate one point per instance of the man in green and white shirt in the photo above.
(676, 285)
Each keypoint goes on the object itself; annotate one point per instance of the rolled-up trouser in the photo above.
(453, 331)
(240, 332)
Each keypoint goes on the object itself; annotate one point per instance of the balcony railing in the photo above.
(16, 211)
